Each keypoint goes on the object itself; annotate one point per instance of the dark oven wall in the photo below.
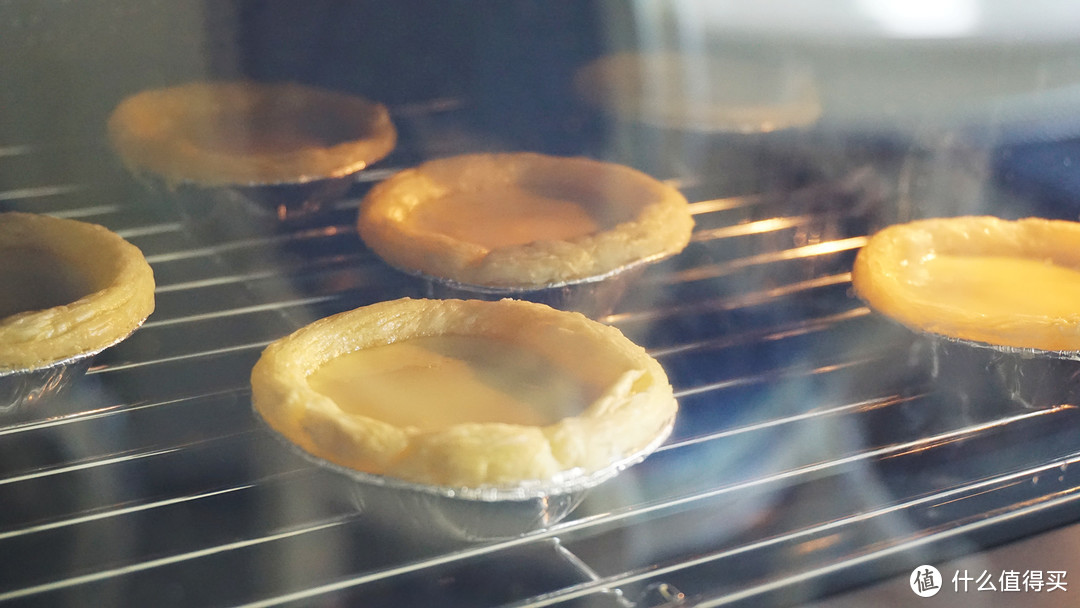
(68, 64)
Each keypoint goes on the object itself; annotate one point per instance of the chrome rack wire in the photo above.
(812, 452)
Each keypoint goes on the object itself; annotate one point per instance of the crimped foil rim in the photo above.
(511, 291)
(569, 482)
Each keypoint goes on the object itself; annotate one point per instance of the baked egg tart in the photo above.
(1013, 284)
(522, 220)
(248, 133)
(238, 159)
(501, 400)
(70, 290)
(700, 92)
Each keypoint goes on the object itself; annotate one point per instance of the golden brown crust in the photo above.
(883, 269)
(699, 92)
(170, 131)
(635, 408)
(122, 297)
(645, 219)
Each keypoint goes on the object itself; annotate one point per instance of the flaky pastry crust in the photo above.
(641, 219)
(635, 408)
(121, 296)
(151, 133)
(886, 269)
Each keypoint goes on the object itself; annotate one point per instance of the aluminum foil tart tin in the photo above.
(980, 372)
(430, 512)
(594, 297)
(983, 375)
(21, 389)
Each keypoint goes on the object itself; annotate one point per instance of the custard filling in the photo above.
(33, 279)
(434, 382)
(507, 216)
(999, 285)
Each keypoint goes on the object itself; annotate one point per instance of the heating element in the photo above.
(813, 452)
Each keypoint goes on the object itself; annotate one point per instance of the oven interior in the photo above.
(814, 451)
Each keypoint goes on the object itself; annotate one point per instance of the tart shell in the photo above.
(633, 412)
(653, 220)
(701, 93)
(150, 131)
(122, 296)
(882, 277)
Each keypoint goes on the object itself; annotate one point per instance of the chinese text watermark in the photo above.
(926, 581)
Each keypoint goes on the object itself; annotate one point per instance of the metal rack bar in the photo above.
(156, 448)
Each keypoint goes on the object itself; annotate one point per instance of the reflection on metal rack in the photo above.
(812, 452)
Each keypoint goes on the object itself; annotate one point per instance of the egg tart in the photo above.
(485, 400)
(1012, 284)
(700, 92)
(522, 220)
(70, 289)
(247, 133)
